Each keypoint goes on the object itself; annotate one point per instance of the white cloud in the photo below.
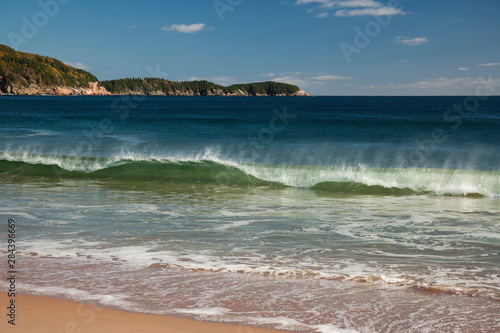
(267, 74)
(411, 41)
(305, 2)
(438, 86)
(490, 64)
(437, 83)
(79, 65)
(454, 19)
(354, 8)
(463, 69)
(221, 80)
(382, 11)
(195, 78)
(305, 81)
(187, 29)
(293, 73)
(444, 83)
(330, 77)
(224, 80)
(295, 78)
(292, 80)
(133, 26)
(359, 3)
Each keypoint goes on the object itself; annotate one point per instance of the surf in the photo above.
(360, 180)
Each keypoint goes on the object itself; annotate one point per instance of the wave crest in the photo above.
(346, 180)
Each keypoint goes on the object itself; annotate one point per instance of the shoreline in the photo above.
(46, 314)
(149, 95)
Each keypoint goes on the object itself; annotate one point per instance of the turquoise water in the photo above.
(321, 214)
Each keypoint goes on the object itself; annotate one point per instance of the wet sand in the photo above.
(51, 315)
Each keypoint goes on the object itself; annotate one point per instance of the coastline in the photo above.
(67, 91)
(45, 314)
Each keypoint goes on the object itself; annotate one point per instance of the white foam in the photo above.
(282, 322)
(329, 328)
(21, 214)
(235, 224)
(139, 208)
(439, 181)
(217, 311)
(133, 257)
(78, 295)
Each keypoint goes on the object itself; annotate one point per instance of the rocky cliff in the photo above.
(155, 86)
(36, 89)
(31, 74)
(214, 92)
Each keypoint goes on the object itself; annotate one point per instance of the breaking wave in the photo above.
(344, 180)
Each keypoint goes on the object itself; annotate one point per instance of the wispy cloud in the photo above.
(322, 15)
(490, 64)
(196, 78)
(295, 80)
(462, 68)
(267, 74)
(454, 19)
(187, 28)
(133, 26)
(411, 41)
(443, 82)
(436, 86)
(330, 77)
(359, 3)
(79, 65)
(382, 11)
(350, 8)
(224, 80)
(306, 81)
(221, 80)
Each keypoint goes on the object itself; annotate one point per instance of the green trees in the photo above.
(269, 88)
(149, 85)
(24, 69)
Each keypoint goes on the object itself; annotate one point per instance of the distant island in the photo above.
(31, 74)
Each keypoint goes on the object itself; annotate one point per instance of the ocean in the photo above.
(322, 214)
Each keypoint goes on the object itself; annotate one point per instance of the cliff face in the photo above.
(302, 93)
(95, 89)
(213, 92)
(35, 89)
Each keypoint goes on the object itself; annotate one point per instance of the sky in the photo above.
(326, 47)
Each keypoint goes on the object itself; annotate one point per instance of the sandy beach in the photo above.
(51, 315)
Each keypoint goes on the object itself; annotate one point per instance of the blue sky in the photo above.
(327, 47)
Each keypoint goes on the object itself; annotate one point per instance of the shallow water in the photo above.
(201, 208)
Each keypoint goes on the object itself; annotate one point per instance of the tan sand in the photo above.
(40, 314)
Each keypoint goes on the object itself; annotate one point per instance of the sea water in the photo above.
(323, 214)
